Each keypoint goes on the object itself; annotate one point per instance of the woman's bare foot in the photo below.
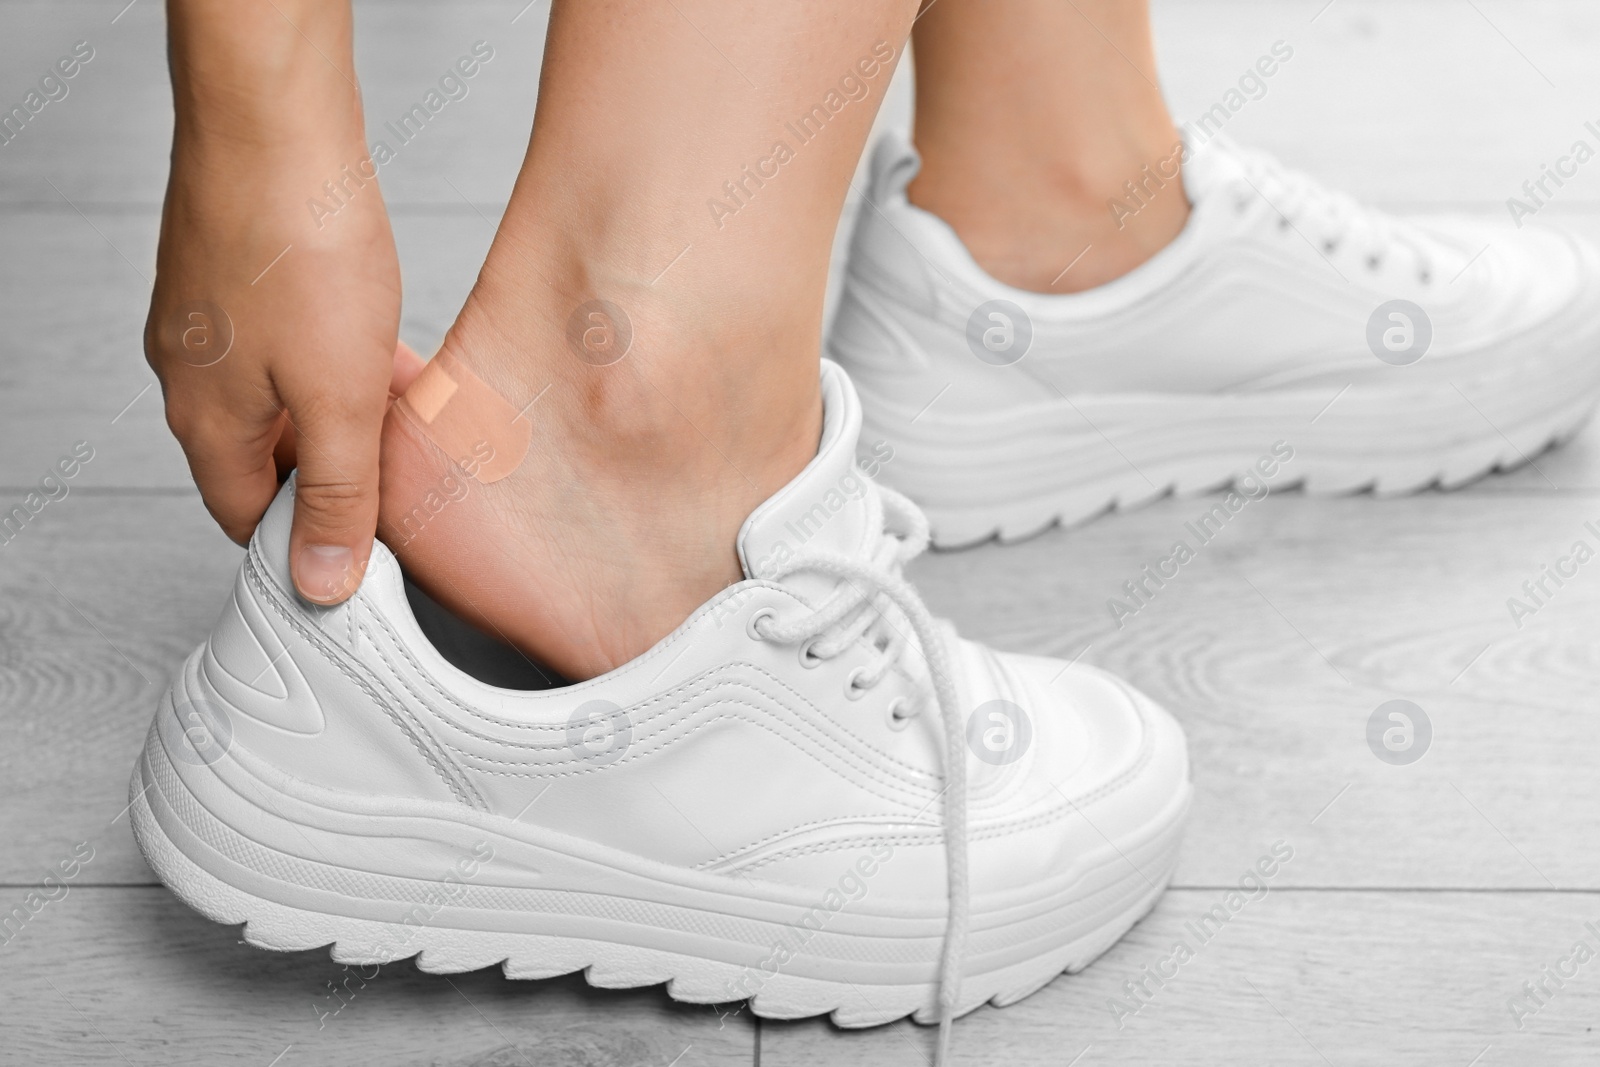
(622, 517)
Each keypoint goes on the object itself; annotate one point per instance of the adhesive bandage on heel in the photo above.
(471, 423)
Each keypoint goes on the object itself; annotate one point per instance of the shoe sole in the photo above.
(1014, 474)
(235, 841)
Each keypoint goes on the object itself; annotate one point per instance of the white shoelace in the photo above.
(854, 612)
(1330, 218)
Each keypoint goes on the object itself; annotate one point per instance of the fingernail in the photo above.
(326, 572)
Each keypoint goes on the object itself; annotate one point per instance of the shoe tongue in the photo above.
(829, 507)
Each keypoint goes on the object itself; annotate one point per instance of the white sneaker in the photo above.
(760, 806)
(1379, 352)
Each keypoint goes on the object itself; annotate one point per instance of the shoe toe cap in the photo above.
(1539, 279)
(1117, 739)
(1099, 780)
(1098, 744)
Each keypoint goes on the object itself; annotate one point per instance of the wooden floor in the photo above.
(1419, 898)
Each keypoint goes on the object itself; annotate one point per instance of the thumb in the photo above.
(336, 495)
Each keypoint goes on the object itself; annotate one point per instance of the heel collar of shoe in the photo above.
(271, 545)
(894, 163)
(271, 539)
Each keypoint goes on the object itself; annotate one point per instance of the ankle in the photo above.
(1063, 226)
(644, 456)
(627, 386)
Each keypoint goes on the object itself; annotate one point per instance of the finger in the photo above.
(237, 478)
(407, 365)
(283, 453)
(336, 490)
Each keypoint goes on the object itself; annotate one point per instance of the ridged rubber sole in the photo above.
(1015, 474)
(233, 878)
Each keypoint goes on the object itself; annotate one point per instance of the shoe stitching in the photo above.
(667, 702)
(900, 839)
(986, 831)
(474, 713)
(255, 574)
(670, 703)
(800, 828)
(873, 787)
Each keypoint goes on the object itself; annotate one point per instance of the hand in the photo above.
(275, 342)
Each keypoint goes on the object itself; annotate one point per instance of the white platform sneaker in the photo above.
(1382, 353)
(762, 806)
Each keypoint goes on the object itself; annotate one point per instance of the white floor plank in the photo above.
(101, 598)
(1280, 640)
(132, 976)
(1294, 978)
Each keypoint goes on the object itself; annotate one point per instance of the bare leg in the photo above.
(623, 517)
(1031, 115)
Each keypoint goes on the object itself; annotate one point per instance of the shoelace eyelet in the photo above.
(807, 659)
(1330, 247)
(1374, 264)
(1424, 277)
(898, 721)
(853, 689)
(753, 625)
